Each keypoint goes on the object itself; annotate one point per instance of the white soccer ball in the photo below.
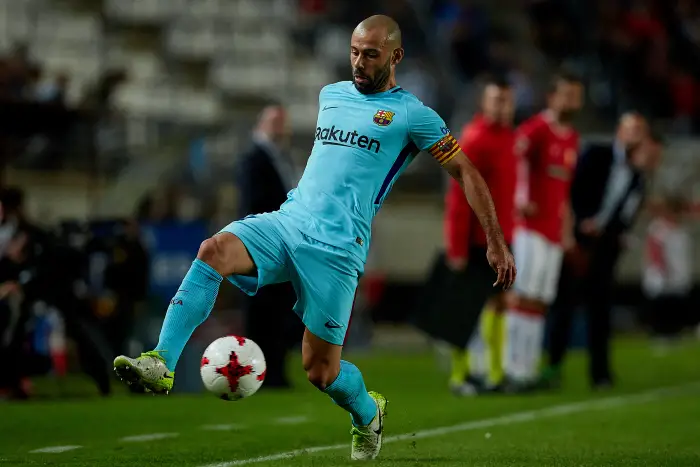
(233, 367)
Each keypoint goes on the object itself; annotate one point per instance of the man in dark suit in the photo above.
(606, 195)
(265, 174)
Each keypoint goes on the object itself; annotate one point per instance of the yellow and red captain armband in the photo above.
(445, 149)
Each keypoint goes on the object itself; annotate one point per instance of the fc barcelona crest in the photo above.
(445, 145)
(383, 117)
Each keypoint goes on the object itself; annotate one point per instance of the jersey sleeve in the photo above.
(321, 94)
(430, 133)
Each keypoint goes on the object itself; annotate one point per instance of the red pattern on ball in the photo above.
(234, 371)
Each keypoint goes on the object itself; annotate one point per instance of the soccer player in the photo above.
(368, 131)
(488, 140)
(547, 145)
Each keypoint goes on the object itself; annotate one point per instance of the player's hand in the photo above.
(529, 210)
(501, 260)
(457, 264)
(589, 227)
(568, 243)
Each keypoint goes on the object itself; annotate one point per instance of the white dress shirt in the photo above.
(618, 183)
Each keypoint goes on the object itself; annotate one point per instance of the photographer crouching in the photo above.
(37, 270)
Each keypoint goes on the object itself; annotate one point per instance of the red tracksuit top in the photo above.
(490, 147)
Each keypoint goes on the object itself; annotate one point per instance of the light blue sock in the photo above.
(188, 309)
(349, 392)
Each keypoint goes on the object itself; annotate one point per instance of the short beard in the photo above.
(566, 116)
(375, 85)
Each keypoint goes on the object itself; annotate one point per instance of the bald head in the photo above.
(375, 50)
(632, 118)
(384, 26)
(632, 130)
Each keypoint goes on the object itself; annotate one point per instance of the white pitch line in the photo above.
(54, 449)
(148, 437)
(223, 427)
(519, 417)
(298, 420)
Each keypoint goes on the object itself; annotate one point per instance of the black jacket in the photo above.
(588, 189)
(261, 186)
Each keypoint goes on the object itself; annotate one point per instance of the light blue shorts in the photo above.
(324, 277)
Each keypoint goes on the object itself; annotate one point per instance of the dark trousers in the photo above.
(586, 282)
(668, 315)
(272, 324)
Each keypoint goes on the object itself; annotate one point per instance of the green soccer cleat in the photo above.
(367, 440)
(147, 371)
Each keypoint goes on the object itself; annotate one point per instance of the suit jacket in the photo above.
(588, 190)
(262, 186)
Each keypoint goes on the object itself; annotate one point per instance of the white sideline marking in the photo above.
(148, 437)
(54, 449)
(223, 427)
(291, 420)
(518, 417)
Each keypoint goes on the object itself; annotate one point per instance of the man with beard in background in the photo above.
(607, 193)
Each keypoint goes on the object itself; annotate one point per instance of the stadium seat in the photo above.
(175, 103)
(143, 67)
(243, 44)
(137, 11)
(187, 39)
(265, 80)
(66, 26)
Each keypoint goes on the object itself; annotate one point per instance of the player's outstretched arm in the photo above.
(429, 133)
(479, 197)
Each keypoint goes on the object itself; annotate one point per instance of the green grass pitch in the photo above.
(636, 424)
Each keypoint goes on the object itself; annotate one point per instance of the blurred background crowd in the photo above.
(126, 129)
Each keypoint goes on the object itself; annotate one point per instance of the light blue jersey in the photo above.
(319, 238)
(363, 142)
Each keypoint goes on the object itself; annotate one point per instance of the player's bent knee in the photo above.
(211, 253)
(226, 254)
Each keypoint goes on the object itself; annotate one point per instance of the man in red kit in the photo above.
(488, 140)
(547, 145)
